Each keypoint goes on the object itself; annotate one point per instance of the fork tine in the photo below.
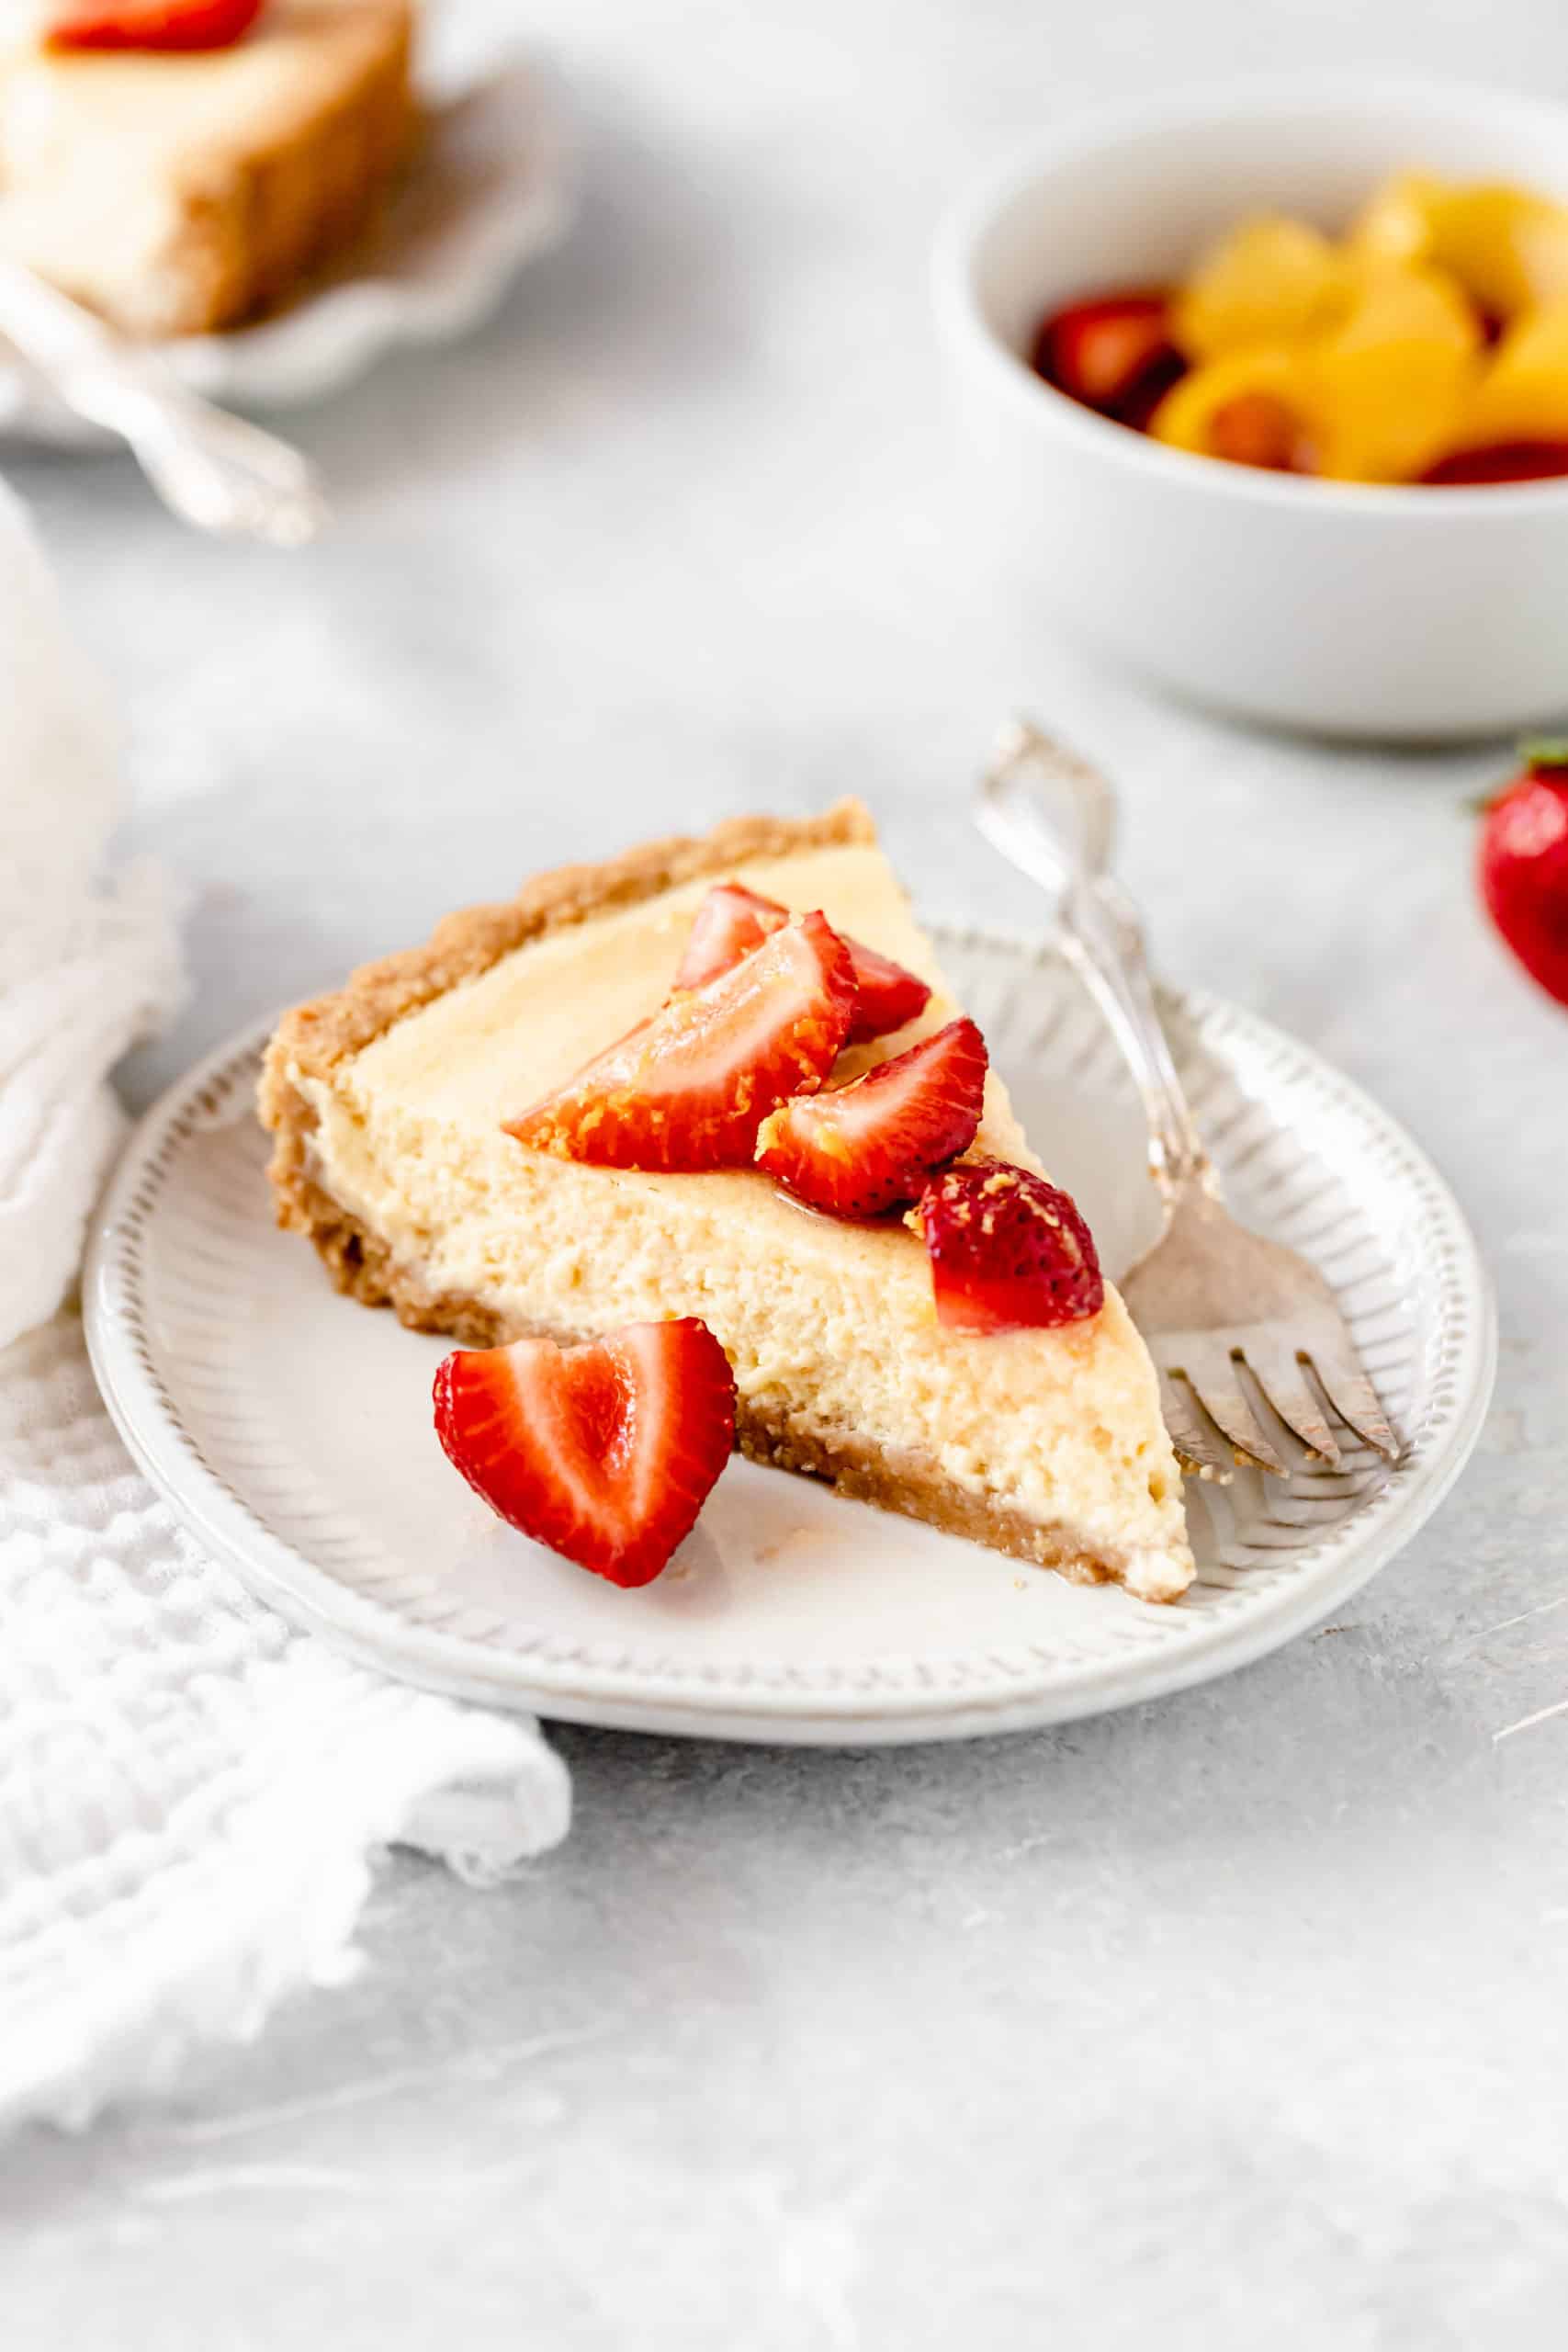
(1213, 1381)
(1192, 1433)
(1352, 1394)
(1278, 1372)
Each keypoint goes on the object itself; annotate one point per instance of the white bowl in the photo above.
(1335, 607)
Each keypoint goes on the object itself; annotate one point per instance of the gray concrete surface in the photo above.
(1234, 2019)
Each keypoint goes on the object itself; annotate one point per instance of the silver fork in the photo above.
(211, 468)
(1211, 1297)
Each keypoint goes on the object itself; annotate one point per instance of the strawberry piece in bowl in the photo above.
(733, 920)
(859, 1150)
(1009, 1251)
(607, 1453)
(1500, 462)
(151, 24)
(1104, 353)
(688, 1089)
(1523, 864)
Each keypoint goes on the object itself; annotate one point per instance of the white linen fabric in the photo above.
(191, 1794)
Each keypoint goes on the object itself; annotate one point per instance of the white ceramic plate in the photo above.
(489, 189)
(291, 1429)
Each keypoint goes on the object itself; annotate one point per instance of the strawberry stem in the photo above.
(1545, 751)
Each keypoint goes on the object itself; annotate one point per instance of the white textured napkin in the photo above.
(190, 1795)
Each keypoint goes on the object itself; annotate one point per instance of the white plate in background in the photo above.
(291, 1428)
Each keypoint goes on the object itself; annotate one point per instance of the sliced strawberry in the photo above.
(889, 994)
(733, 920)
(690, 1087)
(1009, 1252)
(730, 922)
(1102, 352)
(866, 1147)
(151, 24)
(605, 1452)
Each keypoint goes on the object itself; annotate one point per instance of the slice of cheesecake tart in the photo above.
(182, 190)
(390, 1104)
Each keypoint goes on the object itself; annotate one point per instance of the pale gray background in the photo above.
(1236, 2020)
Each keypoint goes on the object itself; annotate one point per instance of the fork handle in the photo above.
(211, 468)
(1101, 934)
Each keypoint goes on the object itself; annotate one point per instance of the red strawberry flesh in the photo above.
(859, 1150)
(1009, 1251)
(730, 922)
(607, 1453)
(688, 1089)
(151, 24)
(733, 920)
(1103, 353)
(1524, 866)
(1500, 462)
(1259, 429)
(888, 994)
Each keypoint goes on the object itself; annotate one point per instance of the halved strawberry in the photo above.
(1009, 1251)
(733, 920)
(151, 24)
(605, 1452)
(863, 1147)
(690, 1087)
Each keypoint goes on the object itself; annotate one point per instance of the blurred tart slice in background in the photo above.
(178, 189)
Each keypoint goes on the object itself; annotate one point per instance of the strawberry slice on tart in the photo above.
(858, 1149)
(688, 1089)
(605, 1451)
(151, 24)
(730, 922)
(732, 919)
(1009, 1251)
(888, 996)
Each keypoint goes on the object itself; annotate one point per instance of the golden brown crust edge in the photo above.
(314, 1038)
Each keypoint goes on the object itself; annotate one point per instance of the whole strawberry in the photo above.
(1523, 864)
